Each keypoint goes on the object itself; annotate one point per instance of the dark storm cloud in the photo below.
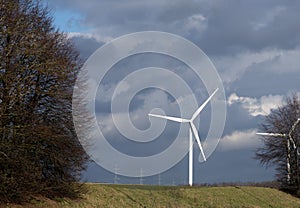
(239, 118)
(218, 27)
(254, 44)
(86, 46)
(258, 82)
(234, 26)
(233, 166)
(220, 167)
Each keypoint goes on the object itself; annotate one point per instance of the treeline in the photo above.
(267, 184)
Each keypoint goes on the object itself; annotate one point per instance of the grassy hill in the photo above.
(128, 196)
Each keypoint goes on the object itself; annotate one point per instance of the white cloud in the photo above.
(285, 62)
(197, 22)
(254, 106)
(90, 35)
(240, 140)
(268, 18)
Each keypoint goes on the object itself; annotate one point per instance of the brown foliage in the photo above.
(39, 150)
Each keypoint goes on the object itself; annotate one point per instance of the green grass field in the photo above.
(128, 196)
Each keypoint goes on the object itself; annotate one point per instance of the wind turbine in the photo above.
(192, 130)
(289, 139)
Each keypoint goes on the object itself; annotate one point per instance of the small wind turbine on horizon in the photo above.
(289, 139)
(192, 130)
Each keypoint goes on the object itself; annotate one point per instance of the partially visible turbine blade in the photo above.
(271, 134)
(197, 139)
(176, 119)
(203, 105)
(278, 135)
(294, 126)
(294, 145)
(292, 130)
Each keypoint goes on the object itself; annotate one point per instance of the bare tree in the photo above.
(39, 150)
(282, 149)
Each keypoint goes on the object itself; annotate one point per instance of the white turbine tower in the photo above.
(289, 139)
(192, 130)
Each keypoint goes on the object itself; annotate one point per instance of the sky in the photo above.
(254, 46)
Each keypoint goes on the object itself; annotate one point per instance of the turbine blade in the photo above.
(291, 139)
(291, 131)
(271, 134)
(294, 126)
(197, 139)
(203, 105)
(176, 119)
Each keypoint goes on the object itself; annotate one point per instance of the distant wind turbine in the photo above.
(192, 130)
(289, 139)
